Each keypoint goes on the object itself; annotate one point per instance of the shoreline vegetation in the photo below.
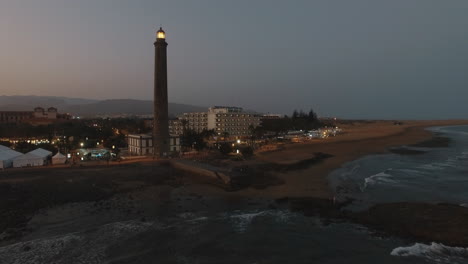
(294, 176)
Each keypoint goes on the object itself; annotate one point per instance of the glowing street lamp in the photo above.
(81, 144)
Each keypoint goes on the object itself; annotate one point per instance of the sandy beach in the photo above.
(359, 139)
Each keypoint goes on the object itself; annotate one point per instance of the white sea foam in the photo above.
(122, 228)
(462, 156)
(242, 221)
(434, 252)
(36, 251)
(412, 172)
(199, 219)
(187, 215)
(430, 166)
(282, 216)
(380, 177)
(348, 170)
(448, 131)
(83, 247)
(449, 163)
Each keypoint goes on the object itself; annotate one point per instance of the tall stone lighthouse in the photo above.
(161, 116)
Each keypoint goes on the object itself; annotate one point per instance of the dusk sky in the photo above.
(351, 59)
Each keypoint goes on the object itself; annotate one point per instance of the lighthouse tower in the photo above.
(160, 111)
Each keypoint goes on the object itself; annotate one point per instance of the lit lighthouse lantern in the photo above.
(161, 34)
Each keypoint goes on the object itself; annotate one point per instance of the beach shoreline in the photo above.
(359, 140)
(152, 189)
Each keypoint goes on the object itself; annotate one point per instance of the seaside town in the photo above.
(153, 181)
(46, 138)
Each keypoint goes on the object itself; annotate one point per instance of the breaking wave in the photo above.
(449, 130)
(433, 252)
(83, 247)
(381, 177)
(242, 221)
(449, 163)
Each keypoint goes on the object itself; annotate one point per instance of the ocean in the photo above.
(439, 175)
(278, 235)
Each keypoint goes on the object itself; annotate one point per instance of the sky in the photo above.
(399, 59)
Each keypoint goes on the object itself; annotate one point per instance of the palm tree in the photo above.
(207, 134)
(252, 133)
(225, 135)
(184, 124)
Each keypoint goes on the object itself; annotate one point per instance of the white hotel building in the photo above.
(142, 144)
(221, 119)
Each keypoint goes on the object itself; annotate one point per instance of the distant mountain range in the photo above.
(89, 107)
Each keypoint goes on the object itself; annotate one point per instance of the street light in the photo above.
(81, 144)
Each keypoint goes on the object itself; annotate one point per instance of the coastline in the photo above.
(358, 141)
(59, 200)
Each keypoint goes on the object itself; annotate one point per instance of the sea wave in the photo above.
(381, 177)
(412, 171)
(449, 130)
(462, 156)
(241, 221)
(430, 166)
(434, 252)
(449, 163)
(84, 247)
(37, 251)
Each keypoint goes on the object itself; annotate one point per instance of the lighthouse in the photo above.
(160, 110)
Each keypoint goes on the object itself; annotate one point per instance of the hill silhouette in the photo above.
(90, 107)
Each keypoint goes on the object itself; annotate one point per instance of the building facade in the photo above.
(15, 116)
(231, 120)
(196, 121)
(142, 144)
(36, 117)
(221, 119)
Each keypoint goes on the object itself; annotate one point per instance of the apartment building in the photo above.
(222, 119)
